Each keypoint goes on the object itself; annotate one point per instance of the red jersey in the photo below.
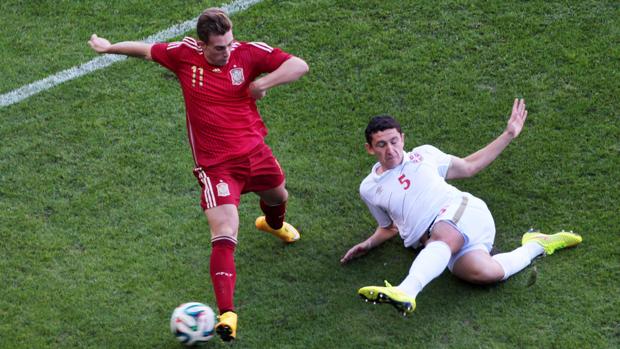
(222, 119)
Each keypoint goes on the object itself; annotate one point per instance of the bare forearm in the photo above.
(485, 156)
(380, 236)
(131, 48)
(377, 238)
(291, 70)
(127, 48)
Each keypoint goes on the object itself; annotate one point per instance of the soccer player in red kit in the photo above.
(221, 80)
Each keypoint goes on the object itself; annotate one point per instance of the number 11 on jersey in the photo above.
(200, 71)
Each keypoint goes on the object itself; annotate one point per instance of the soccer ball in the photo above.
(192, 323)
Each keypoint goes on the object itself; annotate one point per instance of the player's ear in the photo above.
(369, 149)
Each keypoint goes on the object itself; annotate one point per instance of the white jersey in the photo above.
(412, 194)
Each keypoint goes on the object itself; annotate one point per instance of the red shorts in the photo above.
(224, 183)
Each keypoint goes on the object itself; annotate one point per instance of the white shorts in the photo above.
(472, 218)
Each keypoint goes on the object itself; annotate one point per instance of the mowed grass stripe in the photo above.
(102, 235)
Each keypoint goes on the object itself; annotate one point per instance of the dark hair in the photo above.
(380, 123)
(212, 21)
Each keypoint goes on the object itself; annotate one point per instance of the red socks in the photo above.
(222, 263)
(223, 273)
(274, 215)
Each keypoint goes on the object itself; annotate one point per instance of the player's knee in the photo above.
(223, 232)
(282, 197)
(223, 229)
(483, 276)
(273, 197)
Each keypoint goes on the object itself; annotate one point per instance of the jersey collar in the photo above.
(376, 166)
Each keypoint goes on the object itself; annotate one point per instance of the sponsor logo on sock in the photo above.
(223, 273)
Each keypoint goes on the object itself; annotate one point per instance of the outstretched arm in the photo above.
(380, 236)
(289, 71)
(476, 162)
(128, 48)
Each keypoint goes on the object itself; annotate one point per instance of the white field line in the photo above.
(103, 61)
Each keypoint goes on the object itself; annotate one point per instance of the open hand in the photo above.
(517, 118)
(358, 250)
(100, 45)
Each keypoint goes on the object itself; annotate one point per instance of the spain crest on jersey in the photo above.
(222, 189)
(236, 76)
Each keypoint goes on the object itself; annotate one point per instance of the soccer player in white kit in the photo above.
(407, 194)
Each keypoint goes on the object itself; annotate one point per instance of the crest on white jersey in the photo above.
(222, 189)
(236, 75)
(415, 157)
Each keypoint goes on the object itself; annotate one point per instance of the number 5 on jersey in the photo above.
(404, 181)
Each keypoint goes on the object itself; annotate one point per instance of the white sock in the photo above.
(429, 264)
(514, 261)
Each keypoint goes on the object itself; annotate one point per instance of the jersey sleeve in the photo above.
(161, 54)
(382, 218)
(267, 58)
(436, 156)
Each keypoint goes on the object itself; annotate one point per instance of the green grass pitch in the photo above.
(101, 235)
